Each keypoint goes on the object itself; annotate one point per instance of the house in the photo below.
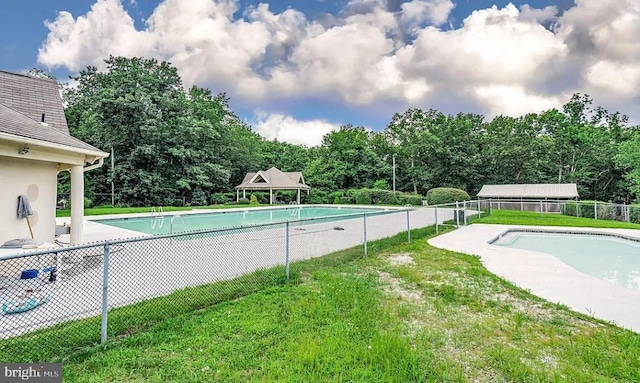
(270, 180)
(35, 145)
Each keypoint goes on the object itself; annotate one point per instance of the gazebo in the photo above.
(270, 180)
(529, 196)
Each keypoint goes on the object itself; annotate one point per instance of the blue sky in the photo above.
(296, 70)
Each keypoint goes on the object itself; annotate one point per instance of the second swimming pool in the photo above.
(607, 257)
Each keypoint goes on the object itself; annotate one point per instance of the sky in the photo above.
(298, 70)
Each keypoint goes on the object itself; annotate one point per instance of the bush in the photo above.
(351, 193)
(198, 198)
(383, 197)
(570, 208)
(219, 199)
(253, 200)
(87, 203)
(346, 200)
(381, 184)
(363, 197)
(336, 201)
(439, 196)
(263, 197)
(586, 209)
(634, 213)
(315, 196)
(334, 195)
(412, 199)
(243, 201)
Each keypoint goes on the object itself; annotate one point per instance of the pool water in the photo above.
(240, 217)
(610, 258)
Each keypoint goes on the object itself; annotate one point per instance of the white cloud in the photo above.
(417, 12)
(503, 60)
(287, 129)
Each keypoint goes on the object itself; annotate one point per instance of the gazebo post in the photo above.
(237, 195)
(298, 197)
(270, 196)
(244, 193)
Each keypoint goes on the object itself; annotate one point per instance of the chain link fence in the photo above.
(109, 288)
(586, 209)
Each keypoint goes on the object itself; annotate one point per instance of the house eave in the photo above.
(91, 154)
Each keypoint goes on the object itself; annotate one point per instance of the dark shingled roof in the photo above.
(23, 101)
(13, 122)
(33, 97)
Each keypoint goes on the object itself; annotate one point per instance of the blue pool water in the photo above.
(611, 258)
(234, 218)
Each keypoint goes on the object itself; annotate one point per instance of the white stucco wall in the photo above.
(38, 181)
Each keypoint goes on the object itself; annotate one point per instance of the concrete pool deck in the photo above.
(545, 275)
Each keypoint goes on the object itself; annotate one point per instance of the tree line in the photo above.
(170, 143)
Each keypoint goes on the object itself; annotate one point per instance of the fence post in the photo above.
(628, 211)
(490, 206)
(479, 212)
(436, 220)
(464, 212)
(541, 208)
(595, 209)
(286, 246)
(457, 215)
(408, 227)
(364, 219)
(105, 293)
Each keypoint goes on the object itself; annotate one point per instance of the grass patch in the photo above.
(406, 313)
(514, 217)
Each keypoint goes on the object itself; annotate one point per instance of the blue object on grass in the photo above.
(25, 302)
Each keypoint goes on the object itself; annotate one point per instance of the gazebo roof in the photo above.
(273, 179)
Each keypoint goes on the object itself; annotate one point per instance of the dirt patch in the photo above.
(401, 259)
(393, 286)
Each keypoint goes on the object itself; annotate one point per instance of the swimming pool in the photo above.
(165, 224)
(611, 258)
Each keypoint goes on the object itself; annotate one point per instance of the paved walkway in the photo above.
(546, 276)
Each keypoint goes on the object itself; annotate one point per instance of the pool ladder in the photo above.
(173, 219)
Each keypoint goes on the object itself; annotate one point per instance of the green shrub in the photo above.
(363, 197)
(352, 193)
(253, 200)
(570, 208)
(243, 201)
(219, 199)
(316, 196)
(263, 197)
(383, 197)
(346, 200)
(284, 196)
(634, 213)
(334, 195)
(199, 198)
(87, 203)
(439, 196)
(412, 199)
(381, 184)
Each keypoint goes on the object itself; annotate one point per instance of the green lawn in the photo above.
(407, 313)
(514, 217)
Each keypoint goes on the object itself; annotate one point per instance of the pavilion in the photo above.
(270, 180)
